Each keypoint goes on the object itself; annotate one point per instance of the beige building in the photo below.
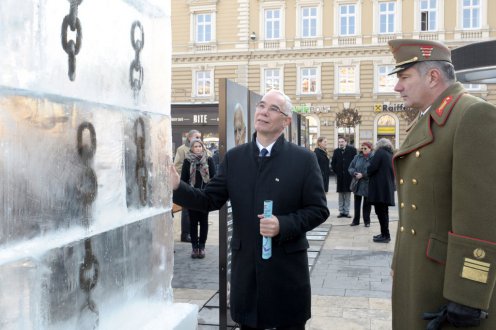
(327, 55)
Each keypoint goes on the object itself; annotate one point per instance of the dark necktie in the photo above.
(264, 152)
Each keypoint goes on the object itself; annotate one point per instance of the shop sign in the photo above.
(304, 108)
(390, 107)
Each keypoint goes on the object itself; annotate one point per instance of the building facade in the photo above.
(326, 55)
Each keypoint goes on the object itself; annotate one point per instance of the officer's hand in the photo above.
(457, 315)
(174, 177)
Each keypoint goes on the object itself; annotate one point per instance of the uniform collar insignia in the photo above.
(447, 100)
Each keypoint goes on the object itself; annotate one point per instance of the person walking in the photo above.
(273, 292)
(358, 169)
(178, 163)
(323, 160)
(445, 251)
(198, 169)
(381, 186)
(341, 159)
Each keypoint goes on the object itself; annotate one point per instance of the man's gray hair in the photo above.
(288, 106)
(446, 68)
(190, 134)
(384, 143)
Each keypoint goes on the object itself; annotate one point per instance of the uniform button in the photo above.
(417, 154)
(414, 207)
(402, 205)
(414, 181)
(401, 181)
(413, 232)
(402, 229)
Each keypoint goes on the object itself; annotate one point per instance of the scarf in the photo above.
(200, 163)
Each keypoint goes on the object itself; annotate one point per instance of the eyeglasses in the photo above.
(273, 108)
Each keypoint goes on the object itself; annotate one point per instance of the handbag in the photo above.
(354, 185)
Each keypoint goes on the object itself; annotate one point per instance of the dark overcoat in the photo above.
(381, 177)
(323, 161)
(359, 164)
(446, 241)
(273, 292)
(341, 160)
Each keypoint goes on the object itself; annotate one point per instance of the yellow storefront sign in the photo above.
(386, 130)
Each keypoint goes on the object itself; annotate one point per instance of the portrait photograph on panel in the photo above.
(236, 114)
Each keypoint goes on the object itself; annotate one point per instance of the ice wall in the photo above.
(85, 221)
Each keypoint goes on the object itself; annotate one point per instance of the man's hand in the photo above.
(457, 315)
(269, 227)
(174, 177)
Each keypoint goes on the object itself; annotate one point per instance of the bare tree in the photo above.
(348, 118)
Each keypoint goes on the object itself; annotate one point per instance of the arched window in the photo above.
(387, 127)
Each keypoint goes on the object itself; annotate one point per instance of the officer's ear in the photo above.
(434, 76)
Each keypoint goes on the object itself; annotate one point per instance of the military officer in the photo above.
(444, 264)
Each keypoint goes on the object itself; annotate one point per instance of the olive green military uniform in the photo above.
(446, 181)
(446, 178)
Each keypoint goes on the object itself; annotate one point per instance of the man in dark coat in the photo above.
(341, 160)
(381, 186)
(274, 292)
(445, 253)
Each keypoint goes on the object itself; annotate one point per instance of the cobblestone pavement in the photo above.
(350, 275)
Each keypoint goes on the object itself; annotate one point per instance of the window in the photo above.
(272, 24)
(428, 15)
(473, 87)
(308, 80)
(471, 14)
(347, 18)
(308, 22)
(386, 17)
(203, 27)
(272, 79)
(203, 82)
(385, 82)
(346, 80)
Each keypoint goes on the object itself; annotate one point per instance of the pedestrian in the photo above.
(445, 251)
(323, 160)
(381, 186)
(198, 169)
(358, 169)
(273, 292)
(178, 163)
(341, 160)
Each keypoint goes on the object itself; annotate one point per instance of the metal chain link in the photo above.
(87, 184)
(70, 47)
(141, 171)
(136, 82)
(88, 278)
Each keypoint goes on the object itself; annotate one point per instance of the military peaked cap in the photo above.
(407, 52)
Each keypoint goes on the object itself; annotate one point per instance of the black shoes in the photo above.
(354, 224)
(367, 225)
(382, 239)
(186, 239)
(342, 215)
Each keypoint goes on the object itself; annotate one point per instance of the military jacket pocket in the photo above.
(437, 249)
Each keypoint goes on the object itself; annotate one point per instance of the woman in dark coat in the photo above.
(358, 169)
(197, 170)
(381, 186)
(323, 160)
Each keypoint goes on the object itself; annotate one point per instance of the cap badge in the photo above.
(426, 51)
(443, 105)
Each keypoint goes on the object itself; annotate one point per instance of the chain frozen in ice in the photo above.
(136, 68)
(89, 271)
(87, 185)
(141, 170)
(70, 47)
